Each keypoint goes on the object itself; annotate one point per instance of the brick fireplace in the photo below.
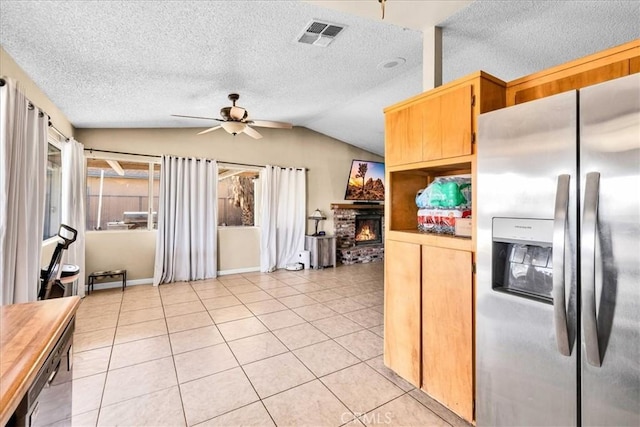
(359, 231)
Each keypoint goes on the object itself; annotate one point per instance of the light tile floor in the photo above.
(287, 348)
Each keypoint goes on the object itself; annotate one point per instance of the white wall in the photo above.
(238, 249)
(327, 160)
(132, 250)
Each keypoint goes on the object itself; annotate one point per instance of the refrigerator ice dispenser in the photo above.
(522, 257)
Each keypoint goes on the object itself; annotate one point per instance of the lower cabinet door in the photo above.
(402, 309)
(447, 328)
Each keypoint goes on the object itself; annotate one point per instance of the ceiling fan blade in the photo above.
(270, 124)
(196, 117)
(252, 132)
(237, 113)
(209, 130)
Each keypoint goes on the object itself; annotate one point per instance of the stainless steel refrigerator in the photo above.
(558, 260)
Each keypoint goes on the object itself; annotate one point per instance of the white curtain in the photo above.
(284, 195)
(73, 203)
(186, 247)
(23, 157)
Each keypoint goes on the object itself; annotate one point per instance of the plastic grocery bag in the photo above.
(442, 202)
(447, 193)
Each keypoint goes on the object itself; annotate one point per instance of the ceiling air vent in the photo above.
(320, 33)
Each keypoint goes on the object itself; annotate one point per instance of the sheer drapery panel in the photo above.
(187, 220)
(23, 157)
(73, 204)
(283, 216)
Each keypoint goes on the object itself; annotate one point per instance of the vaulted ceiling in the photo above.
(134, 63)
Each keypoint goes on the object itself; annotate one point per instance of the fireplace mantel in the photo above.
(356, 206)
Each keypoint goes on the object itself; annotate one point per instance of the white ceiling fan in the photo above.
(235, 120)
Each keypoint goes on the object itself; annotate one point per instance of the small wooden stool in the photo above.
(111, 273)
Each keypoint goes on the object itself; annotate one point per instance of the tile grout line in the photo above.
(127, 366)
(294, 355)
(306, 367)
(431, 410)
(272, 331)
(245, 374)
(106, 376)
(173, 359)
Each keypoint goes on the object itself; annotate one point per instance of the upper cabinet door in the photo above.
(403, 136)
(412, 151)
(456, 118)
(431, 129)
(396, 135)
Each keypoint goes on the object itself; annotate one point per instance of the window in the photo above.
(53, 197)
(237, 198)
(118, 194)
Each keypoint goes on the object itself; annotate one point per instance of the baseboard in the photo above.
(238, 271)
(118, 284)
(149, 281)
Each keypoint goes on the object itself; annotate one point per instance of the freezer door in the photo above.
(610, 247)
(526, 364)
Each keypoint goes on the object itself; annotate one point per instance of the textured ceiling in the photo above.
(511, 39)
(133, 63)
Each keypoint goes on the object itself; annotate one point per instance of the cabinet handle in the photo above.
(53, 374)
(558, 291)
(588, 258)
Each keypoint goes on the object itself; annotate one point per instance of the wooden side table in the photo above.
(322, 250)
(111, 273)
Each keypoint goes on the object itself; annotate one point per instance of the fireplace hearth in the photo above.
(368, 229)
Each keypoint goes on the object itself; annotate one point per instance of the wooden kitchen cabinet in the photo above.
(456, 130)
(428, 315)
(408, 147)
(428, 321)
(431, 128)
(447, 124)
(441, 123)
(599, 67)
(402, 310)
(447, 328)
(395, 128)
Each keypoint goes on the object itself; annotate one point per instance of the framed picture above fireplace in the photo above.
(366, 181)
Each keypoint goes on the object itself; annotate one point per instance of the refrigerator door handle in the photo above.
(588, 256)
(559, 235)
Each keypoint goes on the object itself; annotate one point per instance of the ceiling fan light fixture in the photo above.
(235, 120)
(233, 128)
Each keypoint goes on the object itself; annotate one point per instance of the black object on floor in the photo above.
(111, 273)
(53, 279)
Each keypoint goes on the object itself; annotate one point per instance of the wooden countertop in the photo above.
(28, 333)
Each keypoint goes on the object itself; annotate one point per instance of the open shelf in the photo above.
(404, 183)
